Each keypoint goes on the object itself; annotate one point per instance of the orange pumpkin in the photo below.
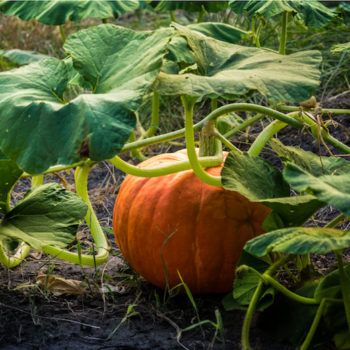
(176, 224)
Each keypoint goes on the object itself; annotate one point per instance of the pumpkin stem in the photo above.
(209, 144)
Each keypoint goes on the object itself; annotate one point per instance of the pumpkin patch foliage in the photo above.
(235, 210)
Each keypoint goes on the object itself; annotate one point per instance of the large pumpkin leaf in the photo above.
(22, 57)
(311, 162)
(112, 57)
(57, 12)
(48, 215)
(219, 31)
(331, 189)
(259, 181)
(299, 241)
(9, 175)
(253, 177)
(313, 12)
(40, 128)
(228, 70)
(192, 6)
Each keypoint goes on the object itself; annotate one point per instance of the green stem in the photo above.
(306, 343)
(63, 34)
(227, 143)
(234, 107)
(264, 137)
(102, 245)
(188, 104)
(244, 125)
(289, 294)
(283, 39)
(252, 305)
(336, 143)
(213, 104)
(136, 153)
(338, 219)
(57, 168)
(249, 315)
(37, 180)
(173, 16)
(154, 125)
(334, 111)
(14, 260)
(345, 286)
(201, 14)
(175, 167)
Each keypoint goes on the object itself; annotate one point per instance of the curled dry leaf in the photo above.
(58, 285)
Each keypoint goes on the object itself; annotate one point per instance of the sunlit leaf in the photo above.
(228, 70)
(331, 189)
(48, 215)
(311, 162)
(299, 240)
(22, 57)
(57, 12)
(219, 31)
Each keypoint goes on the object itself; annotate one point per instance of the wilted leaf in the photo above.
(228, 70)
(58, 285)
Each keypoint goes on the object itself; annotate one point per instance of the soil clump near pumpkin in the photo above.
(32, 318)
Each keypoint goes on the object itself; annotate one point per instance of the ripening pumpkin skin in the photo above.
(177, 223)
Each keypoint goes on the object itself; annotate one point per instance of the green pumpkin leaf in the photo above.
(9, 175)
(191, 6)
(266, 8)
(56, 12)
(342, 340)
(311, 162)
(40, 127)
(253, 177)
(259, 181)
(313, 12)
(295, 210)
(48, 215)
(331, 189)
(246, 282)
(299, 241)
(110, 57)
(228, 70)
(22, 57)
(219, 31)
(329, 286)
